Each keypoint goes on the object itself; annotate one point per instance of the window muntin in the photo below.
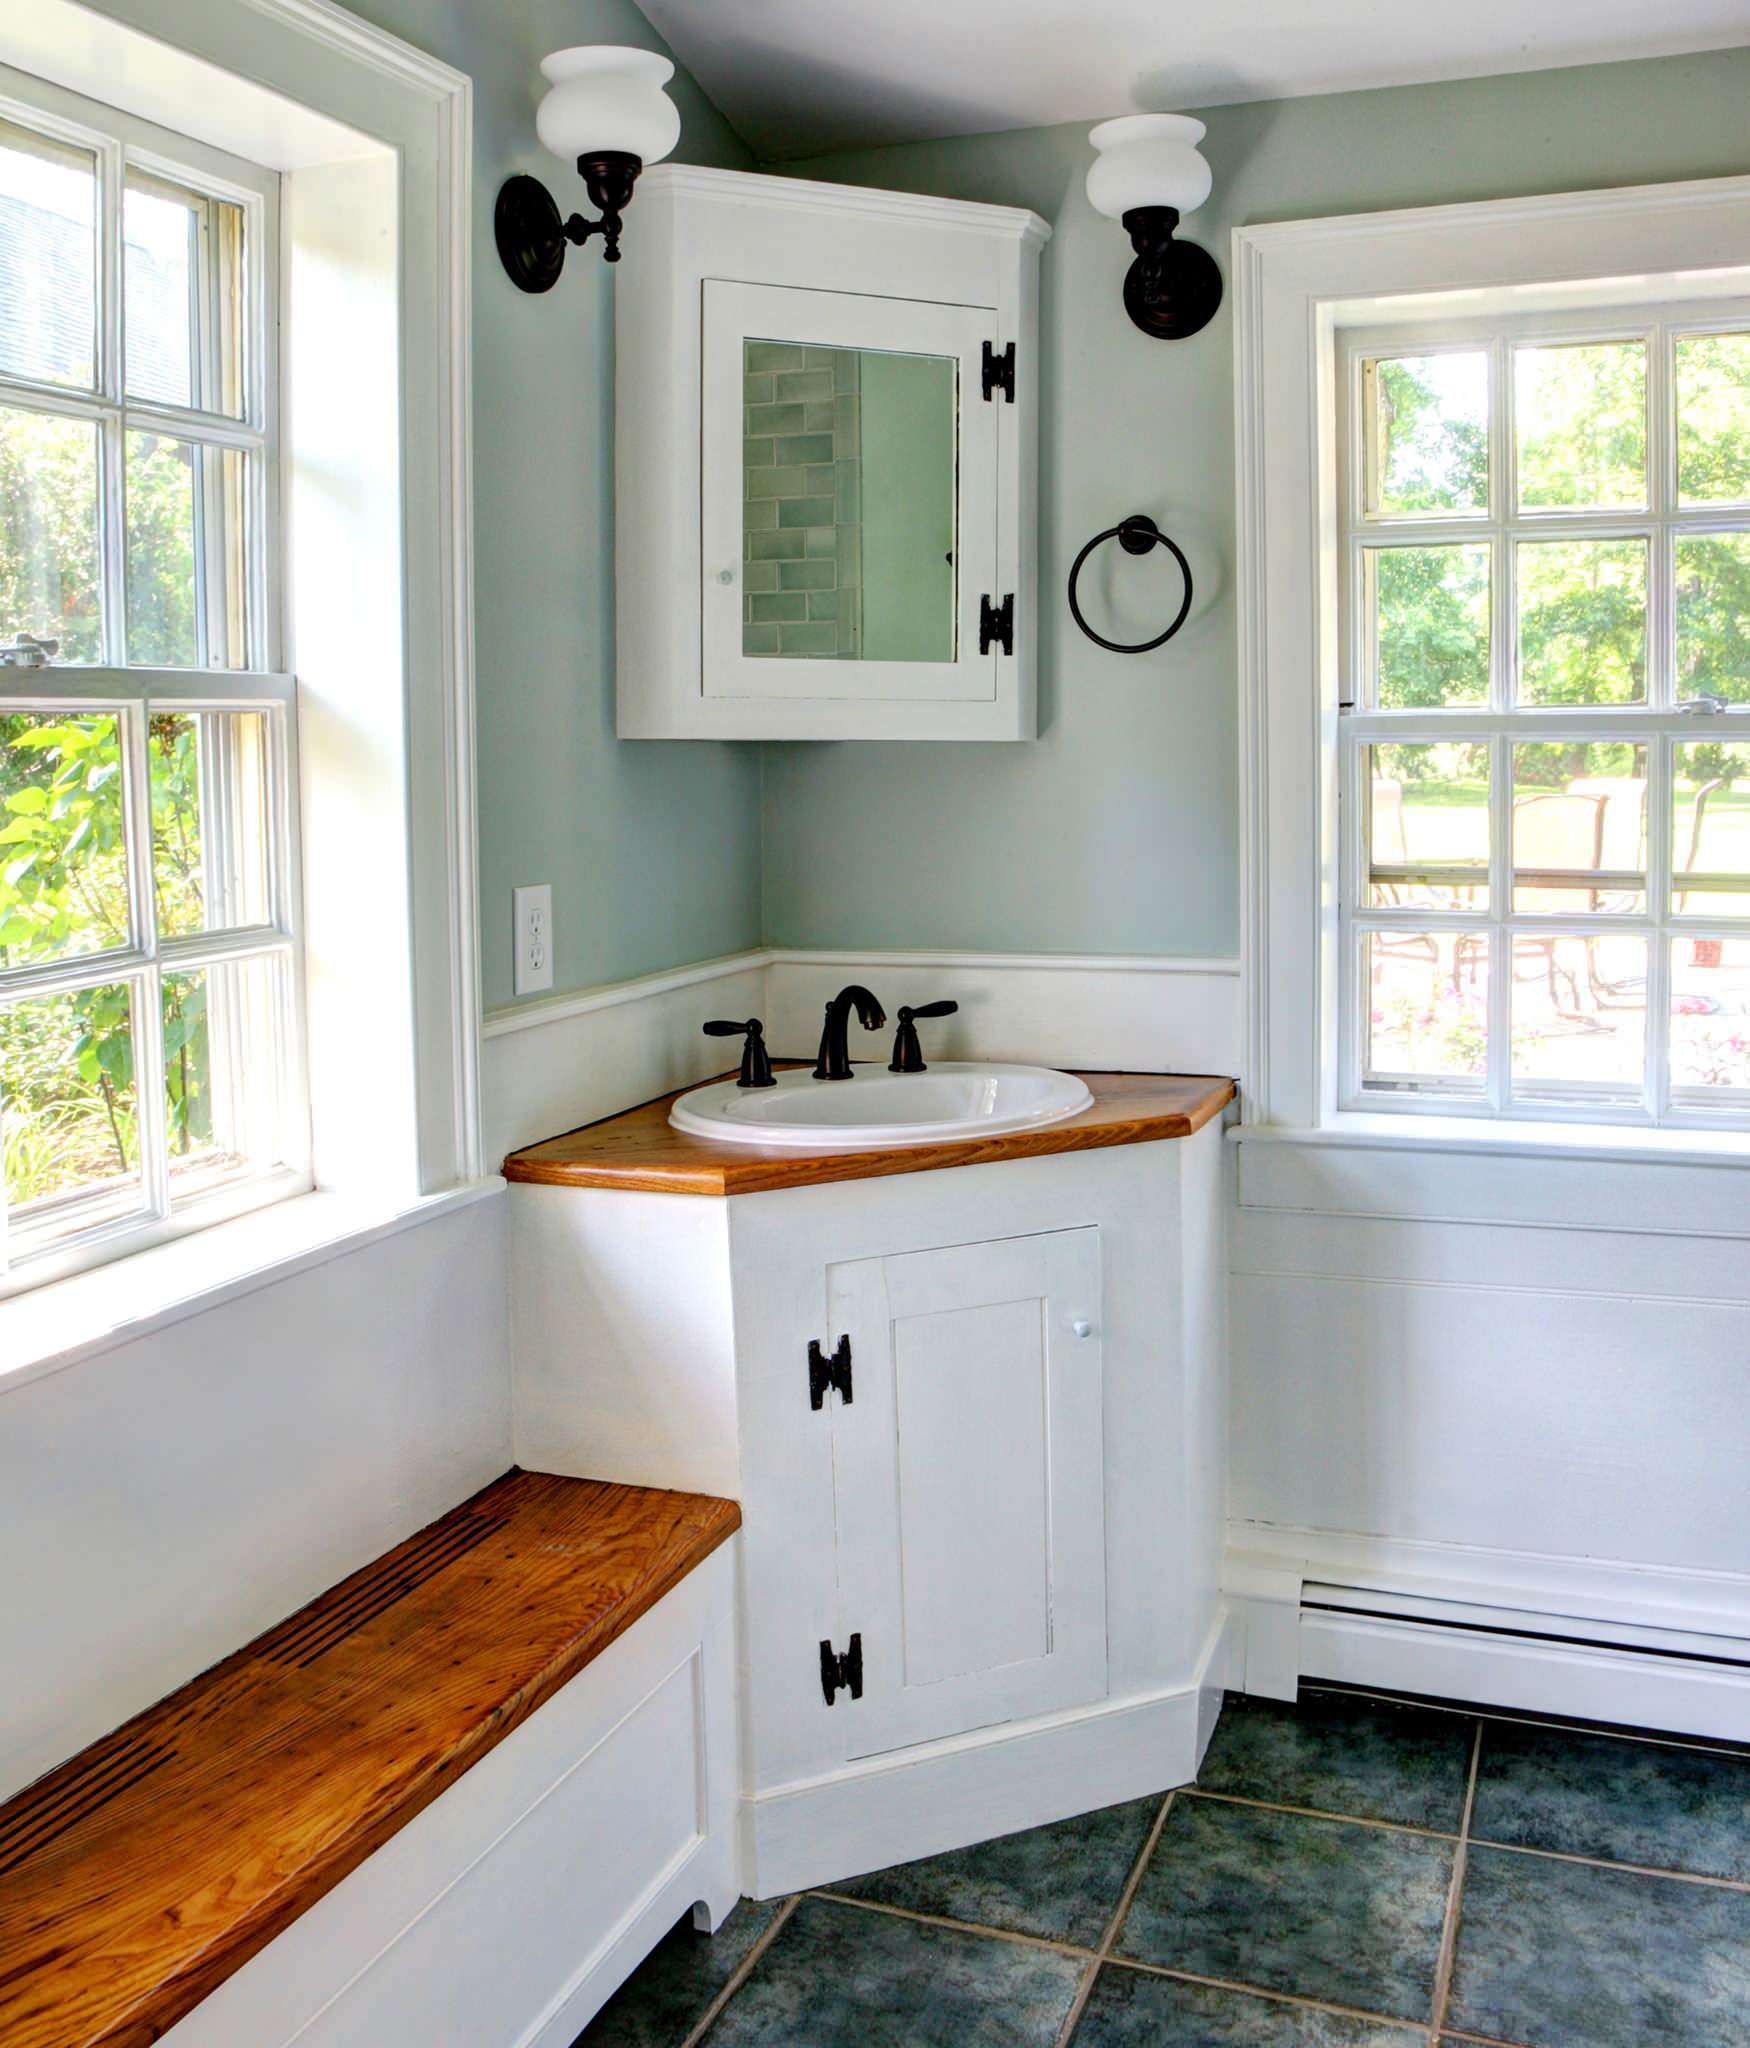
(1545, 730)
(150, 969)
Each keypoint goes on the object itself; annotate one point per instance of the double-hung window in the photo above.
(150, 1074)
(1544, 740)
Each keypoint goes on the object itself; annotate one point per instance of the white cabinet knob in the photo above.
(1082, 1327)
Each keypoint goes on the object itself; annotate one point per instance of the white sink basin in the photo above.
(954, 1099)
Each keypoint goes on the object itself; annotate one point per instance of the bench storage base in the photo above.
(506, 1913)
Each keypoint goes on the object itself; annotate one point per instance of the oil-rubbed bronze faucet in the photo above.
(834, 1061)
(756, 1065)
(908, 1055)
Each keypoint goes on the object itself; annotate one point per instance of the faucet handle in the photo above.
(908, 1055)
(756, 1065)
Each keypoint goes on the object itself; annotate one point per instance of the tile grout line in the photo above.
(1077, 1949)
(1359, 1820)
(1270, 1993)
(1607, 1731)
(1096, 1957)
(1399, 1827)
(740, 1974)
(1455, 1891)
(1701, 1877)
(1084, 1990)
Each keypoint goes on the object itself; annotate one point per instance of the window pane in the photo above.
(184, 308)
(1427, 1010)
(48, 259)
(186, 581)
(1713, 418)
(1579, 827)
(1427, 434)
(1428, 825)
(1579, 1015)
(1710, 1014)
(1582, 621)
(209, 819)
(1428, 609)
(48, 532)
(1710, 828)
(63, 866)
(1581, 422)
(1713, 614)
(223, 1034)
(68, 1128)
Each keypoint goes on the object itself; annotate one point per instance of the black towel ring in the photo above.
(1135, 535)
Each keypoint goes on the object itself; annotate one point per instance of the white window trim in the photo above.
(373, 139)
(1660, 724)
(1296, 284)
(119, 142)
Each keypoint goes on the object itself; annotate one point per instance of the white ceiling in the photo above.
(796, 77)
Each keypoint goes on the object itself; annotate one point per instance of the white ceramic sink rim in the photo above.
(950, 1099)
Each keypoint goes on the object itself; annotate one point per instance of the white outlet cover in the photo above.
(533, 938)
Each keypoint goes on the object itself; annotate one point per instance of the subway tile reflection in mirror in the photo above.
(848, 541)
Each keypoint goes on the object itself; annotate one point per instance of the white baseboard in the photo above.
(991, 1782)
(552, 1065)
(1583, 1637)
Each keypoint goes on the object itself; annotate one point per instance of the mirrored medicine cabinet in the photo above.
(825, 471)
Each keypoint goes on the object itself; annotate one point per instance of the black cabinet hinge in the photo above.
(999, 371)
(824, 1372)
(996, 624)
(842, 1674)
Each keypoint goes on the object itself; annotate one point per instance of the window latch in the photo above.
(1702, 706)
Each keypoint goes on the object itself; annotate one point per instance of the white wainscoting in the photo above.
(1499, 1462)
(1142, 1013)
(550, 1066)
(167, 1497)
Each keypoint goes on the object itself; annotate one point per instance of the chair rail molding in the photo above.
(1295, 284)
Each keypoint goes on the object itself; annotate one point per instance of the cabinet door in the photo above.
(969, 1481)
(851, 474)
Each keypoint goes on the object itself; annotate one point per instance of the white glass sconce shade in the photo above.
(1147, 160)
(605, 97)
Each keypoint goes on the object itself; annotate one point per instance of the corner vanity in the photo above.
(969, 1394)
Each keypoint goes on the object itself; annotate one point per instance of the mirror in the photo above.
(850, 466)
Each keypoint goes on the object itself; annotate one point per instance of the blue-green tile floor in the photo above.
(1349, 1872)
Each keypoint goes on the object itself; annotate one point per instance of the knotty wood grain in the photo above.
(208, 1823)
(642, 1150)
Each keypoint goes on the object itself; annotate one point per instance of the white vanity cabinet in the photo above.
(825, 403)
(974, 1420)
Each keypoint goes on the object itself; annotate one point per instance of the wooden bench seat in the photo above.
(148, 1869)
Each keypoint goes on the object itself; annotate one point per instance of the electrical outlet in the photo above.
(534, 938)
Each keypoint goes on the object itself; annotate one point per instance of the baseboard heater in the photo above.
(1588, 1635)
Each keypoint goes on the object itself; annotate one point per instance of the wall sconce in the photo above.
(1147, 175)
(608, 113)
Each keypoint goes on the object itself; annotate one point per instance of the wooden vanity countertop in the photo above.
(640, 1149)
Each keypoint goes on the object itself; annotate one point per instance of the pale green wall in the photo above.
(1118, 831)
(652, 850)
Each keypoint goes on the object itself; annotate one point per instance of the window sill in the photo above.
(1612, 1143)
(66, 1321)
